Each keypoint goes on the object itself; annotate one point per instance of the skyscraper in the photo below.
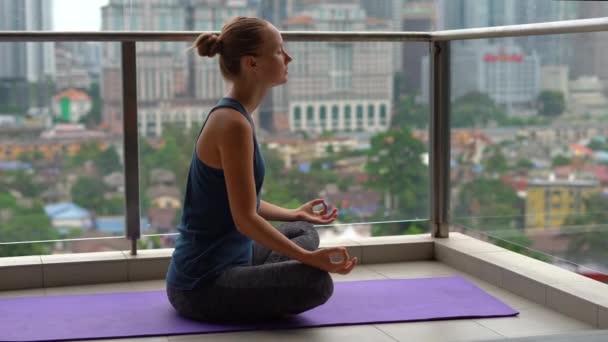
(173, 84)
(418, 16)
(23, 63)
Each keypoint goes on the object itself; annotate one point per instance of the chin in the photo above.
(280, 82)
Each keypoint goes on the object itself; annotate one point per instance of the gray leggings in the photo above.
(273, 286)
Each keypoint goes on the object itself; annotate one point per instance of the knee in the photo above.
(323, 287)
(309, 230)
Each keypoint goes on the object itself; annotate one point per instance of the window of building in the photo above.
(310, 116)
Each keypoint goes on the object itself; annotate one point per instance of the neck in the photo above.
(248, 94)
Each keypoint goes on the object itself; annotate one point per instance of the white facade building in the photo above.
(337, 86)
(505, 73)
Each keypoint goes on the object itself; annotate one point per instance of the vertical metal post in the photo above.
(130, 148)
(439, 156)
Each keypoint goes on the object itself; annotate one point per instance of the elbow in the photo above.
(244, 223)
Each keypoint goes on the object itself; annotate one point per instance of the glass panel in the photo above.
(528, 147)
(61, 164)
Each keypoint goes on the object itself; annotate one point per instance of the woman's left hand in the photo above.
(324, 216)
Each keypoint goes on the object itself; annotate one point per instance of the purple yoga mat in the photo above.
(133, 314)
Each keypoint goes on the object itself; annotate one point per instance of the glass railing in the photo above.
(372, 143)
(354, 138)
(528, 142)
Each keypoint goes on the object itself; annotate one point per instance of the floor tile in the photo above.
(360, 272)
(413, 269)
(454, 330)
(530, 322)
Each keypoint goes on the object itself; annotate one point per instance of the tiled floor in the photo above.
(533, 320)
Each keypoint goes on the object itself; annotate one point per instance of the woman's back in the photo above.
(209, 241)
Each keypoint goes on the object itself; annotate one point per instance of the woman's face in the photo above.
(273, 58)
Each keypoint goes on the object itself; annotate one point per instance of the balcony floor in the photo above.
(533, 320)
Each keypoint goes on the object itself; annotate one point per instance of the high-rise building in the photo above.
(552, 49)
(337, 86)
(418, 16)
(275, 11)
(171, 79)
(391, 11)
(591, 48)
(161, 66)
(504, 72)
(25, 63)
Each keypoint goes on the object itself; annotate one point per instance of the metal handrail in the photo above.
(552, 27)
(156, 36)
(536, 29)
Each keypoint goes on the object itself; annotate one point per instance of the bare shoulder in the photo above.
(227, 120)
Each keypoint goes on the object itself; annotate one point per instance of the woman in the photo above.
(217, 272)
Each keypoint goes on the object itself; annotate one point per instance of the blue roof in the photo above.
(15, 165)
(116, 225)
(601, 155)
(304, 167)
(65, 210)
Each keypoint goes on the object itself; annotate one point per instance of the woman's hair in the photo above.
(242, 36)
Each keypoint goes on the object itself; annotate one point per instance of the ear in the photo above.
(250, 62)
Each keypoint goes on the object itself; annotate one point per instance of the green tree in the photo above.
(107, 161)
(88, 192)
(25, 223)
(524, 164)
(276, 189)
(395, 168)
(149, 242)
(111, 206)
(21, 181)
(550, 103)
(598, 144)
(87, 151)
(93, 118)
(560, 160)
(591, 245)
(174, 155)
(476, 110)
(489, 206)
(31, 157)
(399, 228)
(494, 162)
(410, 114)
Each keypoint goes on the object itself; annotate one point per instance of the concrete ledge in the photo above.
(19, 273)
(83, 268)
(561, 290)
(148, 264)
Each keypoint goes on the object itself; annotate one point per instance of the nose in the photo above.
(288, 58)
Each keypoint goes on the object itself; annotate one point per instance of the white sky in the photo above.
(77, 15)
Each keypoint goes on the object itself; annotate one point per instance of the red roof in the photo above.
(298, 20)
(72, 94)
(580, 149)
(600, 171)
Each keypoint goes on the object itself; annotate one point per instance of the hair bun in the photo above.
(208, 45)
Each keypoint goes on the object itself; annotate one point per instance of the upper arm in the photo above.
(236, 155)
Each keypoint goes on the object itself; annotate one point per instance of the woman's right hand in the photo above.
(322, 259)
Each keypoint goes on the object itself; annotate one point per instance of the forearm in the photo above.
(273, 212)
(259, 230)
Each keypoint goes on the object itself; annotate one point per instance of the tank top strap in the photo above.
(226, 102)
